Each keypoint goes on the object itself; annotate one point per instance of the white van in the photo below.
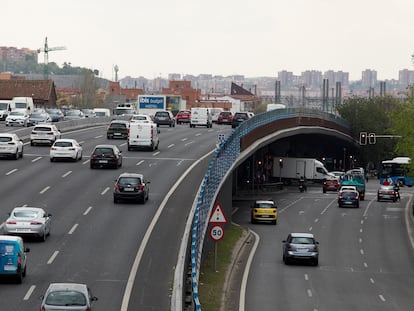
(201, 116)
(143, 135)
(5, 107)
(102, 112)
(23, 104)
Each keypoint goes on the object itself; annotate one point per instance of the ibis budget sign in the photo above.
(151, 102)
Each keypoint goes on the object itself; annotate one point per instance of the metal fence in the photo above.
(221, 165)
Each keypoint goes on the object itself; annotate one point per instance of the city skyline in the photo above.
(252, 39)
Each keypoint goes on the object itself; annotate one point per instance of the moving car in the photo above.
(39, 117)
(348, 197)
(67, 297)
(19, 118)
(215, 113)
(11, 146)
(117, 129)
(55, 114)
(73, 114)
(183, 116)
(330, 184)
(225, 117)
(238, 118)
(88, 113)
(13, 258)
(385, 193)
(106, 156)
(28, 221)
(66, 148)
(131, 186)
(164, 118)
(300, 246)
(264, 210)
(140, 118)
(44, 134)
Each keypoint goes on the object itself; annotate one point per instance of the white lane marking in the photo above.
(309, 293)
(365, 265)
(360, 230)
(140, 162)
(81, 142)
(367, 208)
(52, 258)
(180, 162)
(29, 292)
(362, 222)
(73, 229)
(124, 144)
(170, 146)
(184, 139)
(310, 228)
(382, 298)
(156, 153)
(328, 206)
(198, 134)
(87, 210)
(306, 277)
(316, 220)
(11, 172)
(361, 251)
(105, 191)
(36, 159)
(66, 174)
(372, 280)
(44, 189)
(84, 162)
(291, 204)
(360, 240)
(189, 143)
(99, 136)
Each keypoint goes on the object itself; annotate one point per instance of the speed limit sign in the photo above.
(216, 232)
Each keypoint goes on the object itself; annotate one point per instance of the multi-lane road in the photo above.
(125, 252)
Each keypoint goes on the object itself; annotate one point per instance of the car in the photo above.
(300, 246)
(344, 188)
(11, 145)
(106, 156)
(131, 186)
(88, 113)
(238, 118)
(140, 118)
(337, 174)
(348, 197)
(215, 113)
(44, 134)
(183, 116)
(28, 221)
(13, 257)
(55, 114)
(330, 184)
(39, 118)
(264, 210)
(73, 114)
(19, 118)
(66, 148)
(164, 118)
(117, 129)
(225, 117)
(385, 193)
(66, 297)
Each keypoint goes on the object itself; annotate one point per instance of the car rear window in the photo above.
(133, 181)
(42, 128)
(25, 214)
(162, 114)
(264, 205)
(63, 144)
(5, 139)
(6, 248)
(302, 240)
(104, 151)
(117, 125)
(66, 298)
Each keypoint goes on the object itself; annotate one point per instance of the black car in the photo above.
(164, 118)
(238, 118)
(117, 129)
(131, 186)
(106, 156)
(387, 193)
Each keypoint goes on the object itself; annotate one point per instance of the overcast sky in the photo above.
(221, 37)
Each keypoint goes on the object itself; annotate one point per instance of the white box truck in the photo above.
(143, 136)
(292, 169)
(24, 104)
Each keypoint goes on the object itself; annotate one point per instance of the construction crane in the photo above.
(46, 49)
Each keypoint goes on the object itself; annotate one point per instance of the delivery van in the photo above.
(24, 104)
(102, 112)
(201, 116)
(13, 257)
(143, 136)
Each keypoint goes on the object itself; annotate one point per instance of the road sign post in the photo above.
(216, 234)
(217, 218)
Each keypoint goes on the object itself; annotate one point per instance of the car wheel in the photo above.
(324, 191)
(316, 262)
(24, 271)
(80, 158)
(32, 143)
(43, 236)
(16, 156)
(92, 166)
(19, 277)
(142, 200)
(287, 261)
(52, 159)
(378, 199)
(116, 200)
(274, 222)
(21, 153)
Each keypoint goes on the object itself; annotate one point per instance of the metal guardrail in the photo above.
(220, 165)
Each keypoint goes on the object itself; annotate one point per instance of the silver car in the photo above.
(28, 221)
(67, 296)
(300, 246)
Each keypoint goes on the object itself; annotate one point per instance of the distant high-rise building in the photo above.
(369, 78)
(285, 78)
(174, 76)
(406, 77)
(312, 78)
(337, 76)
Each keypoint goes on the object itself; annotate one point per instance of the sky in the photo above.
(220, 37)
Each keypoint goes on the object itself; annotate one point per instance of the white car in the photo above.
(140, 118)
(17, 118)
(11, 145)
(66, 149)
(44, 134)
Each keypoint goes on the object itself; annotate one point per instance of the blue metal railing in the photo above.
(222, 160)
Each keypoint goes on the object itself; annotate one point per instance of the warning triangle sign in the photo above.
(217, 215)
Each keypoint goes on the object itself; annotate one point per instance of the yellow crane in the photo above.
(46, 49)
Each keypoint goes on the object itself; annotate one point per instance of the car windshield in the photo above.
(66, 298)
(63, 144)
(301, 240)
(133, 181)
(25, 214)
(5, 139)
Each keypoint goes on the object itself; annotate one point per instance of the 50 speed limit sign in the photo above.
(216, 232)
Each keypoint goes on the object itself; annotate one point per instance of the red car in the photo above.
(183, 116)
(331, 184)
(225, 117)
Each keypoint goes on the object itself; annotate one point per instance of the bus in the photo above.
(397, 169)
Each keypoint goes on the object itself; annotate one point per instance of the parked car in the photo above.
(28, 221)
(300, 246)
(131, 186)
(183, 116)
(117, 129)
(13, 257)
(11, 146)
(225, 117)
(164, 118)
(39, 118)
(18, 118)
(385, 193)
(238, 118)
(66, 297)
(140, 118)
(44, 134)
(264, 210)
(66, 149)
(348, 197)
(55, 114)
(106, 156)
(330, 184)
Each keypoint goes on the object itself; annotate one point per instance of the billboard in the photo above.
(151, 102)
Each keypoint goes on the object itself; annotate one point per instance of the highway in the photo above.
(366, 255)
(125, 252)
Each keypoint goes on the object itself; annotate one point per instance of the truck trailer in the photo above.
(292, 169)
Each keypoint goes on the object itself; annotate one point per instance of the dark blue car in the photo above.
(348, 198)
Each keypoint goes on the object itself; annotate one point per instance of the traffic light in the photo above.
(363, 138)
(372, 138)
(281, 162)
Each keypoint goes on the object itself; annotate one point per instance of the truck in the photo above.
(357, 179)
(150, 104)
(124, 109)
(23, 104)
(288, 169)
